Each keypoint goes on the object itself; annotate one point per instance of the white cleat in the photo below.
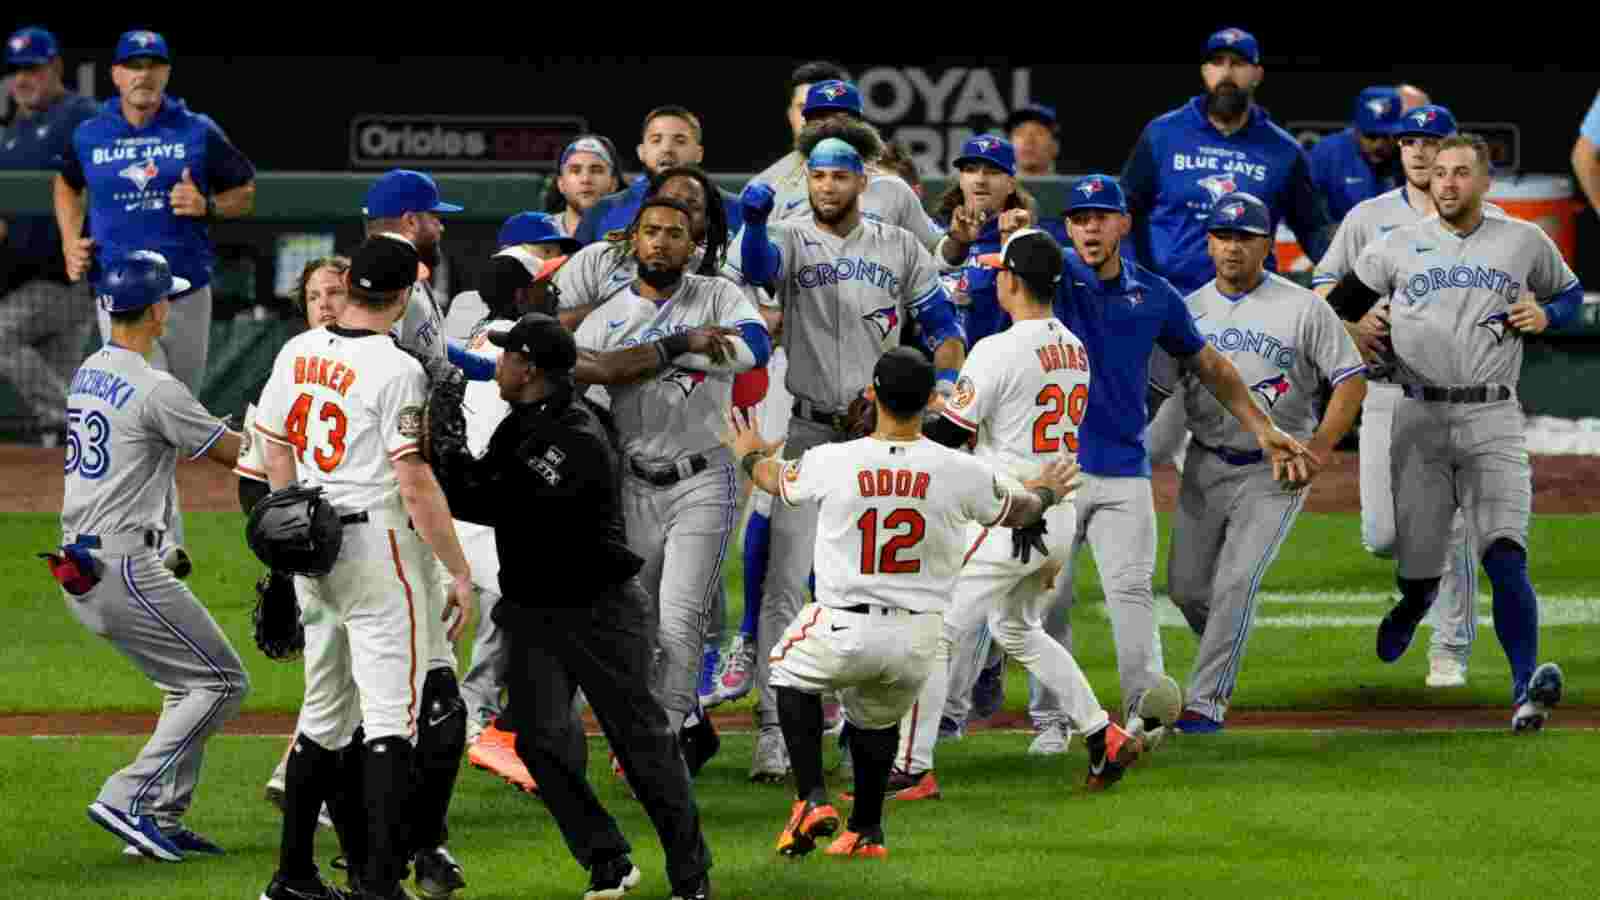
(1446, 672)
(1052, 740)
(771, 763)
(1544, 693)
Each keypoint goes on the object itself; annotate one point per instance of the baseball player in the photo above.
(1455, 614)
(843, 284)
(1233, 512)
(343, 411)
(833, 110)
(1463, 287)
(892, 529)
(1122, 312)
(129, 422)
(1360, 162)
(586, 172)
(981, 207)
(1021, 395)
(678, 486)
(532, 238)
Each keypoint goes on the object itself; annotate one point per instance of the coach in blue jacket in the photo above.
(151, 175)
(1216, 143)
(1361, 161)
(671, 137)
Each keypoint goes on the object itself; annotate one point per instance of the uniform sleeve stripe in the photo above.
(959, 421)
(1005, 510)
(215, 436)
(1344, 375)
(404, 451)
(1324, 279)
(1158, 388)
(247, 472)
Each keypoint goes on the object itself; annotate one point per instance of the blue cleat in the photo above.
(137, 831)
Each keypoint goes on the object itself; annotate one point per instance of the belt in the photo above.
(685, 467)
(804, 409)
(1231, 457)
(359, 518)
(869, 608)
(124, 543)
(1472, 393)
(365, 516)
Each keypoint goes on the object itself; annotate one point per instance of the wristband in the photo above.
(673, 346)
(1046, 496)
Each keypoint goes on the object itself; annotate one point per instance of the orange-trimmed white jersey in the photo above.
(1024, 391)
(252, 461)
(892, 528)
(349, 403)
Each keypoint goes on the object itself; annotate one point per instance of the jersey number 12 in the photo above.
(888, 561)
(1058, 403)
(299, 416)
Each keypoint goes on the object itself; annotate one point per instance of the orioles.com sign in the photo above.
(461, 142)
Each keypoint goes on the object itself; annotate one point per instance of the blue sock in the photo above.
(1516, 611)
(757, 542)
(1417, 594)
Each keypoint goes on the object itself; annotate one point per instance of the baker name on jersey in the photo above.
(103, 386)
(1265, 345)
(893, 483)
(1062, 356)
(331, 374)
(103, 155)
(847, 269)
(1438, 278)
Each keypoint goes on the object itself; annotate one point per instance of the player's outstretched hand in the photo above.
(1528, 317)
(966, 222)
(743, 434)
(1059, 475)
(1013, 219)
(463, 597)
(755, 203)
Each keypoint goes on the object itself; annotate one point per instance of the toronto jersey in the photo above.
(349, 403)
(678, 410)
(128, 423)
(1025, 392)
(1368, 221)
(421, 329)
(892, 528)
(1285, 341)
(1450, 296)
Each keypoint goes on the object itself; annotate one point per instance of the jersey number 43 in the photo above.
(329, 449)
(1057, 403)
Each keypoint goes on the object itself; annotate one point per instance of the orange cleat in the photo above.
(905, 786)
(853, 845)
(807, 822)
(1122, 751)
(496, 752)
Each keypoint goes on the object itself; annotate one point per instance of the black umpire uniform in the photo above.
(549, 485)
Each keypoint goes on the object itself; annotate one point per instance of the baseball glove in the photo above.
(444, 422)
(278, 631)
(861, 418)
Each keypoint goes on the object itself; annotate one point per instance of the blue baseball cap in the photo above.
(141, 43)
(31, 47)
(832, 153)
(137, 280)
(1236, 40)
(534, 228)
(832, 96)
(1429, 121)
(1033, 112)
(1377, 111)
(1240, 211)
(399, 191)
(987, 148)
(1096, 192)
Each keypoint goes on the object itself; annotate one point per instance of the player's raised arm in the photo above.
(1057, 479)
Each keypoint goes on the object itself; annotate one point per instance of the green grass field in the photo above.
(1243, 814)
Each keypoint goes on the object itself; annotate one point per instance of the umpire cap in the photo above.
(542, 339)
(903, 380)
(293, 529)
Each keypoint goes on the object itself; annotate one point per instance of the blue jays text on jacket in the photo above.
(39, 142)
(1182, 165)
(615, 212)
(130, 173)
(1120, 322)
(1344, 177)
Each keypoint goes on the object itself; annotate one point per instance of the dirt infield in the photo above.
(32, 483)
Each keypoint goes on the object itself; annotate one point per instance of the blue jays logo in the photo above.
(686, 379)
(1379, 106)
(141, 173)
(1218, 186)
(143, 38)
(1232, 211)
(984, 144)
(1232, 36)
(1498, 324)
(1271, 389)
(832, 91)
(20, 43)
(1090, 188)
(885, 319)
(1423, 116)
(1136, 298)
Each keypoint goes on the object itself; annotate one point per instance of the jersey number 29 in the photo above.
(888, 561)
(1058, 403)
(299, 415)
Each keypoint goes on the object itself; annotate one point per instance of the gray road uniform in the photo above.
(844, 300)
(888, 199)
(1232, 515)
(1448, 299)
(1455, 614)
(129, 423)
(679, 495)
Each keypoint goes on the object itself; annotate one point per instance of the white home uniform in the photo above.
(1021, 391)
(893, 527)
(349, 403)
(128, 423)
(1455, 614)
(1232, 515)
(679, 493)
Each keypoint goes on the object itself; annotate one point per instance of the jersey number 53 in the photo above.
(328, 450)
(1056, 403)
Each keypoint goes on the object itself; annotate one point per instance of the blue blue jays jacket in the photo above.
(982, 315)
(615, 212)
(130, 172)
(32, 247)
(1183, 164)
(1343, 176)
(1120, 323)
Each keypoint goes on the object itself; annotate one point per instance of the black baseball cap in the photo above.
(384, 263)
(1032, 254)
(542, 339)
(903, 379)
